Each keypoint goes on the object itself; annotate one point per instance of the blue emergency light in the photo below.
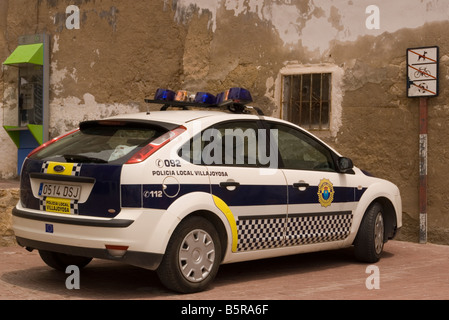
(238, 95)
(205, 98)
(164, 94)
(222, 96)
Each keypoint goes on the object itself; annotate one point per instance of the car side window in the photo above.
(300, 151)
(227, 144)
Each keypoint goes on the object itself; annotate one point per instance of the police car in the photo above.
(183, 191)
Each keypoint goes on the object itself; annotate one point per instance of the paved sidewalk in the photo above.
(406, 271)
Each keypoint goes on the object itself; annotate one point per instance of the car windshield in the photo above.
(101, 142)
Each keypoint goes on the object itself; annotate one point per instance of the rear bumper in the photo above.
(91, 237)
(111, 223)
(140, 259)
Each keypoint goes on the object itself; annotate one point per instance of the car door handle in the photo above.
(302, 186)
(229, 185)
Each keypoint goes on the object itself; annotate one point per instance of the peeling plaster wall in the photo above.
(122, 53)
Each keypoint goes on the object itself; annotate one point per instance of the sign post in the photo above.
(422, 170)
(422, 82)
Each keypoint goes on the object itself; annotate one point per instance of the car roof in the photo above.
(180, 116)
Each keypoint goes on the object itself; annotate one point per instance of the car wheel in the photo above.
(61, 261)
(192, 257)
(369, 242)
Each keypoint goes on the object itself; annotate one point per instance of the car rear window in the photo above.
(102, 142)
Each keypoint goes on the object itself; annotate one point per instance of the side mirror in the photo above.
(345, 164)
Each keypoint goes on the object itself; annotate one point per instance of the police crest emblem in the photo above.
(325, 193)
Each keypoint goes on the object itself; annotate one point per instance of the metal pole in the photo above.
(423, 170)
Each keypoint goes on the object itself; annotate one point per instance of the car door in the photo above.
(245, 179)
(320, 199)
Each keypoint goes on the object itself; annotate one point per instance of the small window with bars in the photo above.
(306, 100)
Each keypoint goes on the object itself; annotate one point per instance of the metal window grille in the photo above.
(306, 100)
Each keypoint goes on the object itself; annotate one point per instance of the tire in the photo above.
(61, 261)
(192, 258)
(369, 243)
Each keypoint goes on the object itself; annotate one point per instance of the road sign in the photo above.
(422, 72)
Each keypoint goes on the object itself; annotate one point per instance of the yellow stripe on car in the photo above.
(230, 217)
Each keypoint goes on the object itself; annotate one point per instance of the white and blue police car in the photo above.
(183, 191)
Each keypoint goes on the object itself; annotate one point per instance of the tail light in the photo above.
(155, 145)
(116, 251)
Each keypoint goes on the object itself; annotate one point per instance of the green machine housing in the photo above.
(28, 125)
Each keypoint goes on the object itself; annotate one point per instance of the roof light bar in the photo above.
(235, 99)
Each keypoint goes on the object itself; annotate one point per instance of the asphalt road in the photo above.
(406, 271)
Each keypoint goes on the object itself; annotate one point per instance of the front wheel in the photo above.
(192, 257)
(369, 243)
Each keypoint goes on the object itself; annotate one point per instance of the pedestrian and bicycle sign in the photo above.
(422, 72)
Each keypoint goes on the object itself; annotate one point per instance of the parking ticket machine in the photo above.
(27, 124)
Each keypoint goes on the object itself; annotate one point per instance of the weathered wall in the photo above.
(380, 130)
(9, 195)
(123, 52)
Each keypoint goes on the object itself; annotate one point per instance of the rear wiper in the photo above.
(82, 159)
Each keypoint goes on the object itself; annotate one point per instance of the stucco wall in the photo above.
(123, 52)
(9, 195)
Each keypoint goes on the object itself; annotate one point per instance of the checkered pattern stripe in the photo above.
(259, 233)
(45, 166)
(76, 170)
(256, 234)
(317, 228)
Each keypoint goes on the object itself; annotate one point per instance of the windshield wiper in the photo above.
(82, 159)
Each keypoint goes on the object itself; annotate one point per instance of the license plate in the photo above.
(63, 191)
(58, 205)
